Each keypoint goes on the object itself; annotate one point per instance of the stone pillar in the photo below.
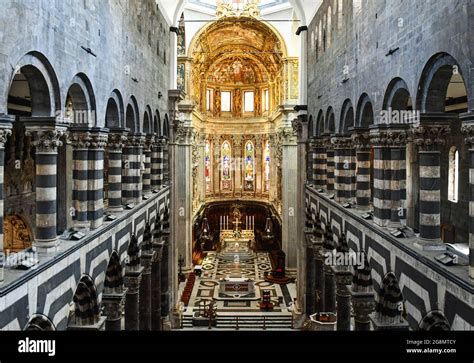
(95, 177)
(132, 281)
(258, 175)
(289, 162)
(112, 303)
(5, 131)
(238, 143)
(156, 278)
(362, 293)
(115, 144)
(329, 276)
(344, 159)
(468, 130)
(131, 173)
(361, 143)
(310, 276)
(429, 139)
(147, 173)
(146, 283)
(81, 140)
(319, 164)
(330, 167)
(166, 162)
(343, 296)
(47, 136)
(156, 166)
(398, 184)
(165, 275)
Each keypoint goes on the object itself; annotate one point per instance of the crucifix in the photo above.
(236, 224)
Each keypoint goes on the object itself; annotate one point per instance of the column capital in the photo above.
(46, 137)
(132, 279)
(135, 140)
(117, 139)
(84, 138)
(430, 137)
(342, 142)
(467, 127)
(6, 124)
(150, 141)
(389, 135)
(237, 140)
(360, 138)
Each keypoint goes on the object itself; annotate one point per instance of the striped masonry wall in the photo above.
(115, 180)
(382, 191)
(330, 170)
(166, 165)
(363, 178)
(430, 195)
(159, 166)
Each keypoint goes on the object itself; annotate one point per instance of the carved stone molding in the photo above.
(98, 140)
(430, 138)
(468, 131)
(4, 135)
(342, 142)
(135, 141)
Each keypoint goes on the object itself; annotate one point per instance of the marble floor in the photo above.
(241, 313)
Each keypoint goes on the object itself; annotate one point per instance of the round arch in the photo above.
(435, 80)
(86, 306)
(320, 126)
(434, 321)
(147, 122)
(114, 275)
(80, 101)
(114, 111)
(365, 112)
(43, 84)
(39, 322)
(331, 120)
(397, 96)
(347, 117)
(132, 116)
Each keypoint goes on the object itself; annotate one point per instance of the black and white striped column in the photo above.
(382, 193)
(345, 165)
(429, 140)
(95, 177)
(80, 140)
(319, 165)
(116, 141)
(46, 140)
(398, 184)
(131, 171)
(330, 166)
(155, 166)
(147, 173)
(361, 142)
(5, 132)
(166, 163)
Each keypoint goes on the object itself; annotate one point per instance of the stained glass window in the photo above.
(249, 161)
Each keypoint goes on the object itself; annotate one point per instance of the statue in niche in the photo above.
(237, 102)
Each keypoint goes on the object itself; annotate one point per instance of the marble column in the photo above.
(156, 166)
(156, 279)
(468, 131)
(319, 164)
(258, 175)
(149, 141)
(430, 138)
(239, 182)
(343, 296)
(330, 166)
(95, 177)
(290, 196)
(6, 122)
(112, 303)
(116, 141)
(47, 135)
(146, 281)
(345, 169)
(131, 177)
(165, 275)
(361, 141)
(329, 275)
(362, 295)
(80, 139)
(310, 277)
(132, 281)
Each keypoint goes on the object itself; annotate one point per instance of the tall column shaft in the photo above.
(155, 167)
(147, 172)
(471, 213)
(80, 181)
(115, 180)
(363, 178)
(145, 292)
(430, 195)
(382, 192)
(330, 170)
(156, 284)
(132, 283)
(345, 174)
(320, 167)
(95, 180)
